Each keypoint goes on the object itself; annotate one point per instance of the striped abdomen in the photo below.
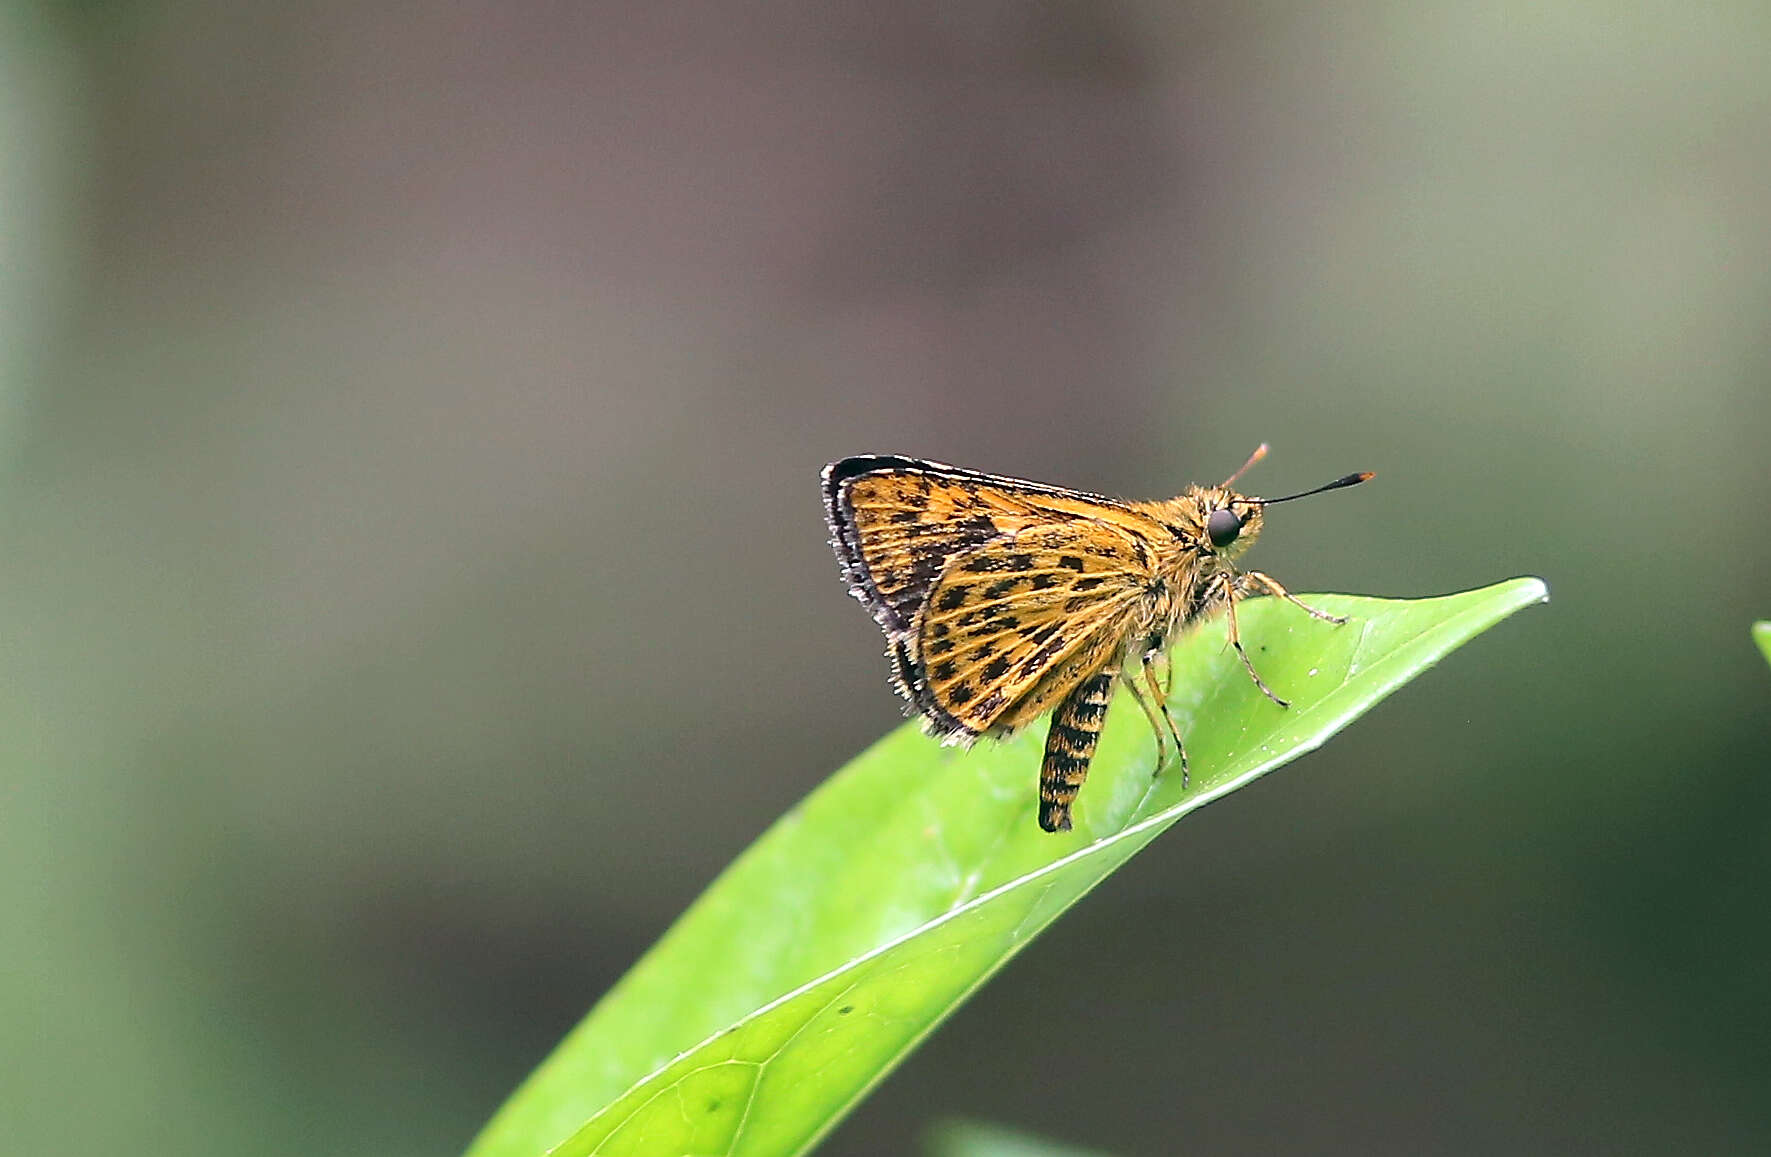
(1069, 745)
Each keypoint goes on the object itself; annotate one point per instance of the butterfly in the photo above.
(1003, 599)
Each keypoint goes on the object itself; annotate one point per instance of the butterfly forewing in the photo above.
(896, 529)
(898, 521)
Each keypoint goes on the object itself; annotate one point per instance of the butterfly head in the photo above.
(1232, 523)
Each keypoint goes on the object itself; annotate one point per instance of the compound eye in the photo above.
(1222, 527)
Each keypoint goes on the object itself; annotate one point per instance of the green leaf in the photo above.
(1762, 633)
(977, 1139)
(865, 915)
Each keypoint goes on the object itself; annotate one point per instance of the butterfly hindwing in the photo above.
(1011, 627)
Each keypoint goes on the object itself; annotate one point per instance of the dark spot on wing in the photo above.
(1044, 655)
(996, 563)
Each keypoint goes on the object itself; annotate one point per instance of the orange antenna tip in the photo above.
(1259, 453)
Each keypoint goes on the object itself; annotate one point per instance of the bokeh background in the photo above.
(413, 588)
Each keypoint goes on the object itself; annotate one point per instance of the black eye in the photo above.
(1222, 527)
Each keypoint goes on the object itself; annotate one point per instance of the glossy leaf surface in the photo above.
(863, 917)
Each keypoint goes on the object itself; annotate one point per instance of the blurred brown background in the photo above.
(414, 588)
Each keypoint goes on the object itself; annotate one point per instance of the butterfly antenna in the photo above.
(1349, 480)
(1259, 453)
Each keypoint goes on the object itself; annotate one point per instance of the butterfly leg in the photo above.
(1268, 583)
(1156, 651)
(1070, 745)
(1236, 641)
(1158, 723)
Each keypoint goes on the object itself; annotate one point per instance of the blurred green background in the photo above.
(414, 589)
